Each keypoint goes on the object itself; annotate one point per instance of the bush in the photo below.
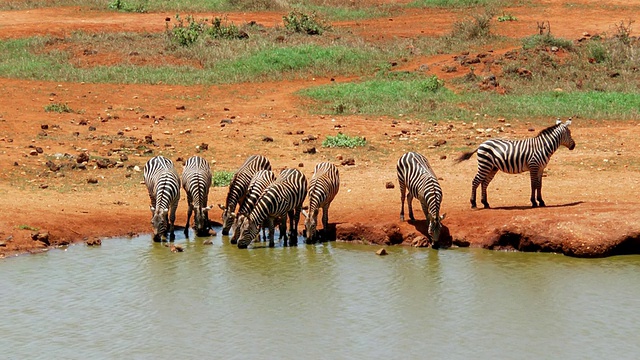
(342, 140)
(477, 27)
(221, 178)
(120, 5)
(188, 34)
(546, 40)
(59, 108)
(300, 22)
(218, 30)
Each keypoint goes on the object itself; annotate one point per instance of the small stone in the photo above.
(389, 185)
(311, 150)
(33, 152)
(44, 126)
(93, 242)
(381, 252)
(267, 139)
(207, 242)
(180, 107)
(92, 181)
(176, 248)
(420, 241)
(43, 186)
(301, 165)
(349, 162)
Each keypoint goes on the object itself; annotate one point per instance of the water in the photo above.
(132, 298)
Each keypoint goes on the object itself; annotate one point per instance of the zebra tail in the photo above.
(465, 156)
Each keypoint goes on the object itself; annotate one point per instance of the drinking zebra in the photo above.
(517, 156)
(238, 188)
(323, 188)
(258, 184)
(416, 175)
(163, 183)
(196, 181)
(281, 199)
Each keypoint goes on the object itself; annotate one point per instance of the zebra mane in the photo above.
(548, 130)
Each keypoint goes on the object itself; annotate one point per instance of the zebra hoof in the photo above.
(473, 204)
(225, 232)
(486, 205)
(541, 203)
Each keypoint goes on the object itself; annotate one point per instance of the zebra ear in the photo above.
(568, 122)
(207, 208)
(222, 207)
(153, 209)
(558, 121)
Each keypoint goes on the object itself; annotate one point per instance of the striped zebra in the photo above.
(281, 199)
(163, 183)
(258, 184)
(238, 188)
(323, 188)
(416, 175)
(196, 181)
(517, 156)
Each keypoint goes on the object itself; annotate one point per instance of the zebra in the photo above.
(416, 175)
(238, 188)
(323, 188)
(281, 199)
(163, 184)
(517, 156)
(258, 184)
(196, 181)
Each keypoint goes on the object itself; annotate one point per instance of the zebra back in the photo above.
(238, 187)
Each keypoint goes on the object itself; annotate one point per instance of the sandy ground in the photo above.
(591, 192)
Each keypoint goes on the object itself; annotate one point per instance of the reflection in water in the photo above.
(136, 299)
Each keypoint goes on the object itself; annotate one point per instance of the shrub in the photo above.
(120, 5)
(221, 178)
(545, 40)
(188, 34)
(342, 140)
(59, 108)
(218, 30)
(300, 22)
(477, 27)
(597, 52)
(507, 17)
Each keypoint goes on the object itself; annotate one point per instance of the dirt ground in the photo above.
(591, 192)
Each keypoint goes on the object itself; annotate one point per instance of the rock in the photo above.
(93, 242)
(389, 185)
(124, 157)
(226, 121)
(44, 126)
(82, 157)
(381, 252)
(349, 162)
(440, 143)
(43, 186)
(148, 139)
(180, 107)
(42, 237)
(207, 242)
(176, 248)
(311, 150)
(267, 139)
(203, 146)
(104, 163)
(420, 241)
(33, 152)
(92, 181)
(300, 165)
(443, 157)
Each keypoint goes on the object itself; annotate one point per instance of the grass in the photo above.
(230, 61)
(343, 141)
(221, 178)
(27, 227)
(59, 108)
(453, 3)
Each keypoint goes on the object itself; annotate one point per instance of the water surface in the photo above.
(132, 298)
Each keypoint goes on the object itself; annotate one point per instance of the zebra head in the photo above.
(435, 225)
(201, 220)
(228, 217)
(159, 223)
(248, 232)
(310, 225)
(565, 136)
(240, 219)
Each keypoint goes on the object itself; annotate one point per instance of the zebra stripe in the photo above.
(517, 156)
(238, 188)
(281, 199)
(196, 181)
(163, 184)
(258, 184)
(416, 175)
(323, 188)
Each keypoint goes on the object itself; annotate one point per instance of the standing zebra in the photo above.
(163, 183)
(516, 156)
(415, 174)
(324, 186)
(281, 199)
(238, 188)
(258, 184)
(196, 181)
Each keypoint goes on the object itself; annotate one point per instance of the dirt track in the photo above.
(591, 192)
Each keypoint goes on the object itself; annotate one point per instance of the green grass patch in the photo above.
(59, 108)
(343, 141)
(547, 40)
(27, 227)
(221, 178)
(453, 3)
(229, 61)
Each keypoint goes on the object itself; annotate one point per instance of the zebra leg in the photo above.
(325, 220)
(536, 187)
(403, 190)
(293, 227)
(172, 220)
(477, 180)
(485, 185)
(271, 227)
(410, 206)
(189, 212)
(283, 229)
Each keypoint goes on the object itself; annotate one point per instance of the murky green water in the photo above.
(135, 299)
